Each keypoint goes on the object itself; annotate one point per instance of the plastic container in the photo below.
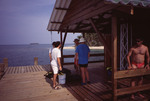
(62, 78)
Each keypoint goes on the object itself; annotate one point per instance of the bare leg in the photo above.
(140, 83)
(76, 68)
(133, 85)
(87, 74)
(133, 82)
(54, 80)
(83, 74)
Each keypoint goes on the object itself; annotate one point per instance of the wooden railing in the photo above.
(2, 68)
(91, 55)
(5, 60)
(130, 73)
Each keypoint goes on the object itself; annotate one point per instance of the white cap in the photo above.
(82, 40)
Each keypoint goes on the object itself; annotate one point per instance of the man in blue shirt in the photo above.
(82, 53)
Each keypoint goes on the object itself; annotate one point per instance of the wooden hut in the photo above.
(116, 23)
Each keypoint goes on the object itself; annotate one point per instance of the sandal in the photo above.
(56, 88)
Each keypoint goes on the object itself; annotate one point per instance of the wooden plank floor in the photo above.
(28, 83)
(26, 69)
(95, 91)
(99, 89)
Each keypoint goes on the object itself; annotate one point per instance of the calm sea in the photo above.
(23, 55)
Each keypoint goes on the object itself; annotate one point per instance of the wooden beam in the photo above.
(83, 34)
(56, 22)
(130, 90)
(114, 55)
(100, 36)
(87, 13)
(61, 37)
(77, 31)
(124, 9)
(61, 50)
(77, 27)
(95, 55)
(81, 6)
(131, 73)
(83, 26)
(61, 8)
(69, 63)
(64, 40)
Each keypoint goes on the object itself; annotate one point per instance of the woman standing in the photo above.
(56, 62)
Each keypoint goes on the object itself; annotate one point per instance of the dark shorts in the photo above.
(83, 65)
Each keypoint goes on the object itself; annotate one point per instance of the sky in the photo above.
(26, 21)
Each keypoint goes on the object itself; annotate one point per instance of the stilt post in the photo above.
(35, 60)
(5, 61)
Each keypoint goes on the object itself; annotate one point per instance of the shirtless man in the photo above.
(138, 54)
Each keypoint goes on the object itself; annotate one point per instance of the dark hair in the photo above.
(53, 43)
(57, 44)
(76, 40)
(139, 38)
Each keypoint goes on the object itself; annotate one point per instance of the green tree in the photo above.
(91, 39)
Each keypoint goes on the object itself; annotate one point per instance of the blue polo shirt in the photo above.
(82, 50)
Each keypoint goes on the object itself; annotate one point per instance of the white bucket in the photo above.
(62, 79)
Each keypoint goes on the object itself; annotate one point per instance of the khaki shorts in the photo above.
(55, 69)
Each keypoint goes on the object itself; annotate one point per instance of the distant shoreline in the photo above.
(91, 47)
(34, 43)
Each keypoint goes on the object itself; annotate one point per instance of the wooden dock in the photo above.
(28, 83)
(100, 89)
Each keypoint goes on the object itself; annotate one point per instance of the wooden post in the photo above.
(83, 34)
(114, 56)
(2, 68)
(61, 49)
(5, 61)
(61, 37)
(107, 58)
(35, 60)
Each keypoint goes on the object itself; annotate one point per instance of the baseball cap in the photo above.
(82, 40)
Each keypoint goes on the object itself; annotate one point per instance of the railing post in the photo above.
(5, 61)
(2, 68)
(35, 60)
